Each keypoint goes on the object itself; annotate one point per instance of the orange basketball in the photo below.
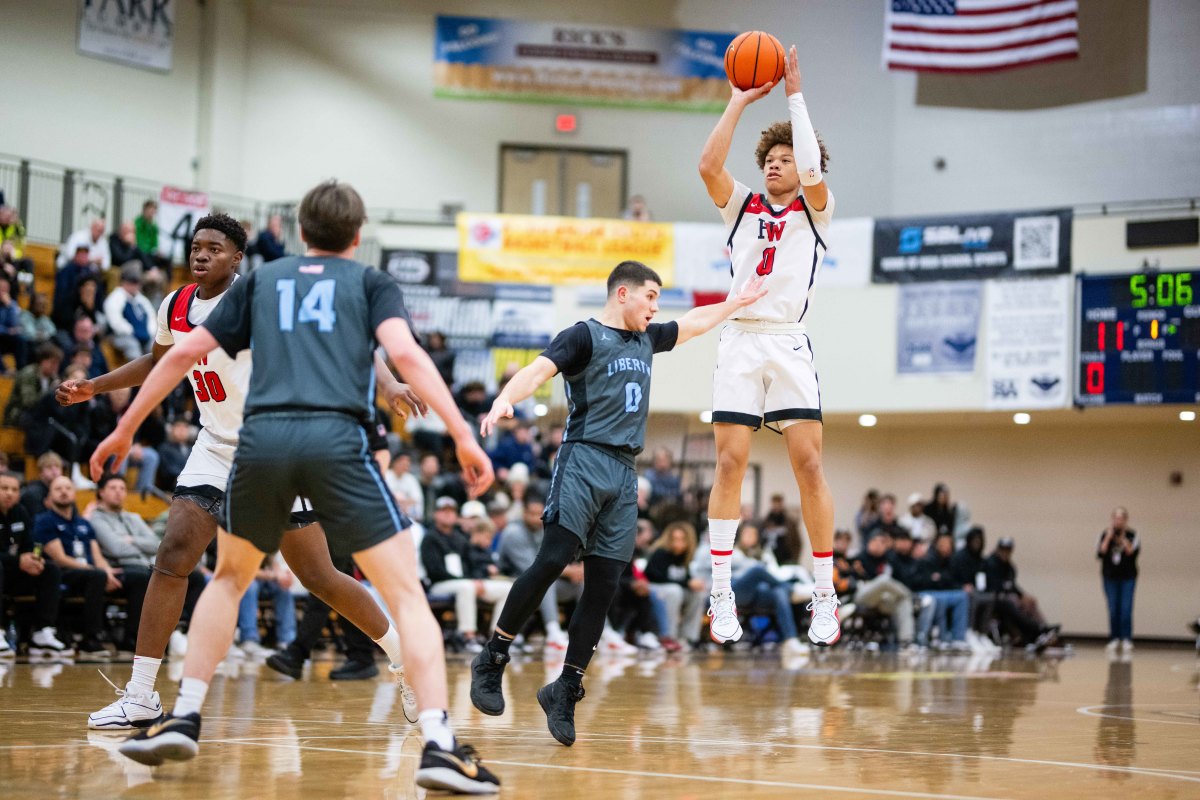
(754, 59)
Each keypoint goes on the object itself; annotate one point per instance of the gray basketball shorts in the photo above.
(593, 494)
(322, 456)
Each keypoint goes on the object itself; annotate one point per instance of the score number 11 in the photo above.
(1119, 338)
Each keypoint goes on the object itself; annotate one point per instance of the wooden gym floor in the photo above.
(845, 725)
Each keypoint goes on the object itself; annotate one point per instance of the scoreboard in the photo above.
(1138, 338)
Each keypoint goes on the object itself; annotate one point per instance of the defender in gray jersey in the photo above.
(606, 364)
(314, 322)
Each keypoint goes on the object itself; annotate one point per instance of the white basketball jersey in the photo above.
(218, 381)
(787, 245)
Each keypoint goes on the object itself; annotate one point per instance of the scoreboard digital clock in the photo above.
(1138, 338)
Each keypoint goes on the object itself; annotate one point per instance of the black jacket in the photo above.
(16, 533)
(906, 569)
(435, 546)
(663, 566)
(965, 565)
(1115, 563)
(937, 573)
(1001, 575)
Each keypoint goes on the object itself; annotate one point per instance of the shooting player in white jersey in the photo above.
(765, 371)
(219, 384)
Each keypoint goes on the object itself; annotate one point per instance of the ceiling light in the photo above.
(1021, 418)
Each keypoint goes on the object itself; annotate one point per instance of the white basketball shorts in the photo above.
(765, 373)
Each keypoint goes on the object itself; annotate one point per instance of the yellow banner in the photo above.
(512, 248)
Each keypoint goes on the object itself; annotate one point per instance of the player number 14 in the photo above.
(317, 305)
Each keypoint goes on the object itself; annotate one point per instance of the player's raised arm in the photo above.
(522, 385)
(416, 366)
(717, 178)
(805, 147)
(703, 319)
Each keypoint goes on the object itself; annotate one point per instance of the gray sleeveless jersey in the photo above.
(609, 398)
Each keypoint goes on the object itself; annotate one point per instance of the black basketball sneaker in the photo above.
(487, 674)
(457, 770)
(169, 739)
(558, 700)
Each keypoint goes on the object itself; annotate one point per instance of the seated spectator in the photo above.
(519, 543)
(13, 264)
(665, 485)
(876, 589)
(637, 613)
(443, 357)
(910, 571)
(269, 243)
(90, 306)
(446, 556)
(497, 512)
(93, 239)
(515, 447)
(33, 496)
(887, 521)
(12, 334)
(123, 247)
(66, 288)
(867, 515)
(756, 588)
(517, 483)
(644, 489)
(70, 542)
(951, 604)
(474, 402)
(65, 429)
(844, 577)
(1016, 608)
(131, 318)
(31, 383)
(82, 339)
(970, 573)
(781, 532)
(401, 481)
(36, 326)
(273, 582)
(480, 558)
(919, 526)
(145, 231)
(24, 571)
(947, 516)
(668, 569)
(127, 542)
(173, 453)
(551, 443)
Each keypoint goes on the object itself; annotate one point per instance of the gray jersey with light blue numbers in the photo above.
(609, 398)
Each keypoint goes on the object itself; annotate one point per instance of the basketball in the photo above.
(754, 59)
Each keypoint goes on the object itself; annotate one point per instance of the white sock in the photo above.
(435, 727)
(823, 570)
(390, 642)
(145, 672)
(191, 697)
(721, 533)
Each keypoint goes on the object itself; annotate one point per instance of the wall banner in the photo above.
(972, 247)
(138, 34)
(513, 248)
(937, 327)
(1028, 324)
(578, 63)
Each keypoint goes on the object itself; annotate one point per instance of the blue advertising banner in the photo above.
(972, 246)
(937, 327)
(570, 62)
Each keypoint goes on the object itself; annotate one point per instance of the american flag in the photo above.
(978, 35)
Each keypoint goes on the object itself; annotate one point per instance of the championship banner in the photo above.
(972, 247)
(178, 212)
(937, 328)
(1028, 323)
(567, 62)
(512, 248)
(137, 34)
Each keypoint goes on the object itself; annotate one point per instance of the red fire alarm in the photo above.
(565, 123)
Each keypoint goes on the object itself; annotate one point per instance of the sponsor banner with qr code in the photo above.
(556, 251)
(580, 64)
(972, 246)
(1028, 332)
(937, 327)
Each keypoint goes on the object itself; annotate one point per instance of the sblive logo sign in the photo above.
(915, 237)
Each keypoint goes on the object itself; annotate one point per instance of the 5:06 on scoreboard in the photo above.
(1138, 339)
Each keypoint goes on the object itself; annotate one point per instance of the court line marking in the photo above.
(1088, 712)
(489, 731)
(663, 775)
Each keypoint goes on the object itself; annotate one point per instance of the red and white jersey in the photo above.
(787, 245)
(218, 381)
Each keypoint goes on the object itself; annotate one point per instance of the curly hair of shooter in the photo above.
(781, 133)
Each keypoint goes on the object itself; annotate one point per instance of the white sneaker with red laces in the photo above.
(825, 628)
(722, 611)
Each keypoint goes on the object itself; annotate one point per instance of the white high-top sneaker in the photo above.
(722, 611)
